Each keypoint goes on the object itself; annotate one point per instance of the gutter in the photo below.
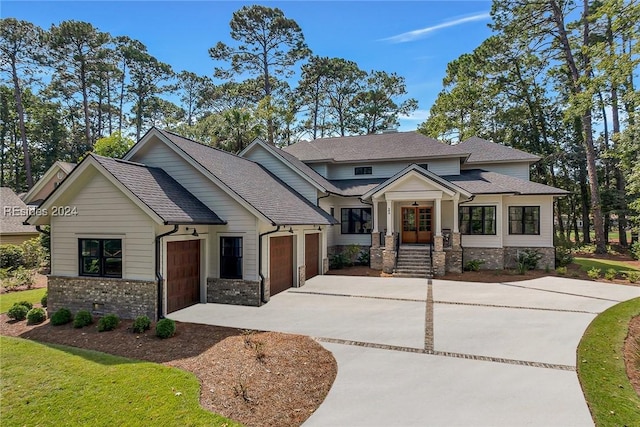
(159, 277)
(262, 295)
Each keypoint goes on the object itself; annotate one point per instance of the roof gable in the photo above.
(478, 181)
(14, 213)
(51, 174)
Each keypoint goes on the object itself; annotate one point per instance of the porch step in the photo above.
(413, 261)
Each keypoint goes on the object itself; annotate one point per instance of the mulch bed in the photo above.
(632, 353)
(256, 378)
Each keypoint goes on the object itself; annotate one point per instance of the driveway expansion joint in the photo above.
(333, 294)
(558, 292)
(518, 307)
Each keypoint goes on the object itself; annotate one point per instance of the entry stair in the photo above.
(413, 261)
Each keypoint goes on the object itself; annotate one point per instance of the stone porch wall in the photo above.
(548, 257)
(126, 298)
(235, 291)
(501, 258)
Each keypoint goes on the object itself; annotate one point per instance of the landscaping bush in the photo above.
(17, 312)
(26, 304)
(11, 256)
(561, 270)
(33, 253)
(36, 315)
(108, 323)
(351, 253)
(473, 265)
(24, 277)
(337, 261)
(594, 273)
(528, 259)
(635, 250)
(45, 299)
(632, 276)
(564, 257)
(364, 257)
(141, 324)
(610, 274)
(61, 317)
(83, 318)
(165, 328)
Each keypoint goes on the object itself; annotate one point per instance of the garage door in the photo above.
(311, 251)
(183, 274)
(281, 260)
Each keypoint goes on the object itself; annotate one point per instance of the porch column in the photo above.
(375, 216)
(390, 207)
(438, 203)
(456, 200)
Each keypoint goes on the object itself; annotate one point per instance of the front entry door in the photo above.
(416, 224)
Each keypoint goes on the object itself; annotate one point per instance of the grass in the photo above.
(611, 398)
(603, 264)
(51, 385)
(33, 296)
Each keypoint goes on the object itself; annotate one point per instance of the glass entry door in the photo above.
(416, 224)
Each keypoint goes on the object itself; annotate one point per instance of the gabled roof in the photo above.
(437, 180)
(251, 183)
(376, 147)
(306, 172)
(14, 213)
(483, 151)
(477, 181)
(356, 187)
(160, 192)
(65, 167)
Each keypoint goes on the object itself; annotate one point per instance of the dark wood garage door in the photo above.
(183, 274)
(281, 263)
(311, 250)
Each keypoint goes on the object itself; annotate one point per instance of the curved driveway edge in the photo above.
(450, 353)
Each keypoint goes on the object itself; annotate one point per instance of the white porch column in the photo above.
(438, 203)
(456, 201)
(390, 206)
(375, 216)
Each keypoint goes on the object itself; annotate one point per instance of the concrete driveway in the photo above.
(446, 354)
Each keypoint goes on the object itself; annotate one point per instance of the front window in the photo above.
(100, 257)
(356, 220)
(231, 257)
(524, 219)
(477, 220)
(363, 170)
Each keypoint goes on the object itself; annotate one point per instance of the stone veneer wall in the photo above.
(302, 275)
(453, 261)
(126, 298)
(235, 291)
(548, 257)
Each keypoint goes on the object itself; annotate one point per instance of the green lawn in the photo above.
(603, 264)
(49, 385)
(33, 296)
(611, 398)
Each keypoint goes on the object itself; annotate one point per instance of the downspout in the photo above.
(262, 296)
(159, 277)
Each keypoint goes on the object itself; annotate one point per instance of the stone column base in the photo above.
(325, 265)
(375, 258)
(302, 275)
(454, 261)
(439, 263)
(388, 261)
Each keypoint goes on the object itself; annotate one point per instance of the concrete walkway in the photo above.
(446, 354)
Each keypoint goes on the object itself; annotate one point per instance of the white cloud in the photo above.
(415, 116)
(417, 34)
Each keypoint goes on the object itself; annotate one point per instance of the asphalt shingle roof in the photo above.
(254, 184)
(309, 172)
(477, 181)
(14, 213)
(357, 187)
(385, 146)
(483, 151)
(160, 192)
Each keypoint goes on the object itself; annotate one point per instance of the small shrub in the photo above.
(61, 317)
(564, 257)
(635, 250)
(26, 304)
(165, 328)
(594, 273)
(18, 312)
(83, 318)
(561, 270)
(23, 277)
(632, 276)
(528, 259)
(45, 299)
(473, 265)
(33, 253)
(36, 315)
(141, 324)
(11, 256)
(351, 252)
(610, 274)
(337, 261)
(364, 257)
(108, 323)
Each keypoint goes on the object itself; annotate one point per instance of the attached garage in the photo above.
(183, 274)
(281, 263)
(311, 255)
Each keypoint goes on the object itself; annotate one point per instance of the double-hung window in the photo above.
(477, 220)
(100, 257)
(230, 257)
(356, 220)
(524, 219)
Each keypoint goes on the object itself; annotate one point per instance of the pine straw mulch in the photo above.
(256, 378)
(632, 353)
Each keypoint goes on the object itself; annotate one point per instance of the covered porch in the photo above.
(416, 207)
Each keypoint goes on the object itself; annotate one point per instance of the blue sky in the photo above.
(415, 39)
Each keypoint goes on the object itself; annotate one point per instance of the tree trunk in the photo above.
(85, 104)
(17, 92)
(584, 198)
